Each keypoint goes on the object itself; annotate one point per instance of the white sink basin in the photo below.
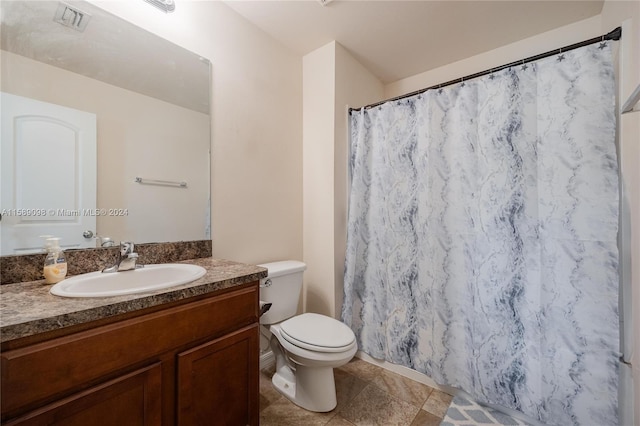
(149, 278)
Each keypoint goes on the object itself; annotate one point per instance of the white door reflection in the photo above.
(48, 161)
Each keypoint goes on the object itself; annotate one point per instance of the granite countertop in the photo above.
(27, 309)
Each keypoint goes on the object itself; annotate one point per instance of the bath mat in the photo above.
(463, 412)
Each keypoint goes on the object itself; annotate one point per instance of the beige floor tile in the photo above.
(348, 387)
(373, 406)
(338, 420)
(426, 419)
(264, 402)
(362, 369)
(283, 412)
(438, 403)
(408, 390)
(268, 393)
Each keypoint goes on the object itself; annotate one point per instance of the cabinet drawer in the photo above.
(133, 399)
(36, 374)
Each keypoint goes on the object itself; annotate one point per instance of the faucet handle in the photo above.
(126, 248)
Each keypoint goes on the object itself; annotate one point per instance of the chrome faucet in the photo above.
(126, 261)
(105, 241)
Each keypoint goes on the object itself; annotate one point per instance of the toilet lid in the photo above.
(317, 332)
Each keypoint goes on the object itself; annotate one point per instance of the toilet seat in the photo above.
(317, 333)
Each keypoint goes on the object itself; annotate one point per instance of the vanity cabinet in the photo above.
(192, 362)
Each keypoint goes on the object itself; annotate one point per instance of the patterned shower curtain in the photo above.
(482, 236)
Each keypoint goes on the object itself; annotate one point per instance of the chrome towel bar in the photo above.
(161, 182)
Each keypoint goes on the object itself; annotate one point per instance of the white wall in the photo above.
(332, 81)
(318, 162)
(256, 156)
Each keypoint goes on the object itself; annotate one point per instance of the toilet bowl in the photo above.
(306, 347)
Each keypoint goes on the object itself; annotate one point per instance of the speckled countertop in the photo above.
(27, 309)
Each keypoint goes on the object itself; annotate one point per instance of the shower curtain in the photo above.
(481, 245)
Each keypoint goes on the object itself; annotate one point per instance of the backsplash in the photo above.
(24, 268)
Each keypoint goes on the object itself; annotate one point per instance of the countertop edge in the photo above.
(221, 275)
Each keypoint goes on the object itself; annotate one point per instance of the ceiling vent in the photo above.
(164, 5)
(71, 17)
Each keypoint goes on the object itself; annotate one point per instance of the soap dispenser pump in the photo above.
(55, 264)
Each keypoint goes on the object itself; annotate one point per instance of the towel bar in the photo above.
(161, 182)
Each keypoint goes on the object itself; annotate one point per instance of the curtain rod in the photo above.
(613, 35)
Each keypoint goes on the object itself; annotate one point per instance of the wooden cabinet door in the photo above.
(132, 399)
(218, 381)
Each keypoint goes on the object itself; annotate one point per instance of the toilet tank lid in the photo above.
(284, 267)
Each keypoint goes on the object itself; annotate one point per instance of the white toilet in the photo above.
(307, 347)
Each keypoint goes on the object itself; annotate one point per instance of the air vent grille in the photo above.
(71, 17)
(164, 5)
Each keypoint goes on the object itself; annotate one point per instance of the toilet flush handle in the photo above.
(266, 283)
(264, 307)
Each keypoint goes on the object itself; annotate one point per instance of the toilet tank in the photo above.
(282, 289)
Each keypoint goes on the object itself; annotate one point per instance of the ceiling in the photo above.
(397, 39)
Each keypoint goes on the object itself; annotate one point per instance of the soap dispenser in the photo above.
(55, 264)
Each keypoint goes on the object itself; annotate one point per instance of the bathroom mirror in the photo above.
(151, 102)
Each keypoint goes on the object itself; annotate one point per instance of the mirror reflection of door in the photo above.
(48, 167)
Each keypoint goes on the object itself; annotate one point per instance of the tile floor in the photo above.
(367, 395)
